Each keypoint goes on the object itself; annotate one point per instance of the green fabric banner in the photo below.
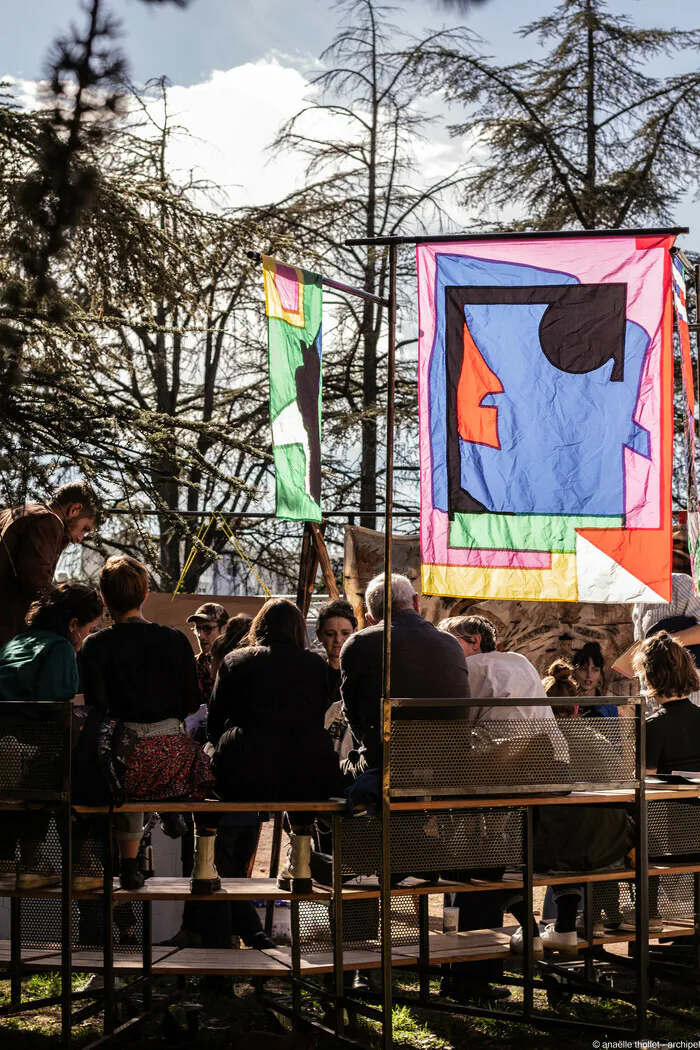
(294, 307)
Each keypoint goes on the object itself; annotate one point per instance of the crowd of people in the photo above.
(258, 716)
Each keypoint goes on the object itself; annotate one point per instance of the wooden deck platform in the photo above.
(470, 946)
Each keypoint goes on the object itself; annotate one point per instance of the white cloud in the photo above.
(231, 118)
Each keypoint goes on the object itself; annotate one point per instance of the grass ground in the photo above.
(222, 1019)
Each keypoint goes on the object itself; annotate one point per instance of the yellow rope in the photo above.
(226, 529)
(201, 536)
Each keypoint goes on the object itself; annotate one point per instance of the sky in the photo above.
(240, 67)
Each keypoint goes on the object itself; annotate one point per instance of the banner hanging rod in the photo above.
(257, 514)
(531, 235)
(328, 282)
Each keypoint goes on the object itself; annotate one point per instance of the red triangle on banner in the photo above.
(645, 553)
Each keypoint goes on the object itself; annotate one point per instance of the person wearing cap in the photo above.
(207, 623)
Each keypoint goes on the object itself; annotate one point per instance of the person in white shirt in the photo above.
(493, 674)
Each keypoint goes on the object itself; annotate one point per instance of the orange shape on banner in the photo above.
(476, 422)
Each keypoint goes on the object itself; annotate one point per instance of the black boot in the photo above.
(130, 877)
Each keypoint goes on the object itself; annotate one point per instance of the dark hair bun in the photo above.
(560, 670)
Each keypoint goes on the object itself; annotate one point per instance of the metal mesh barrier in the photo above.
(361, 925)
(670, 899)
(41, 924)
(457, 757)
(33, 752)
(674, 828)
(431, 842)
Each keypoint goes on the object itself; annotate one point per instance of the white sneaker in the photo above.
(517, 945)
(598, 927)
(656, 923)
(554, 941)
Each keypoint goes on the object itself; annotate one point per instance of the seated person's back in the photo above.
(425, 662)
(668, 674)
(141, 672)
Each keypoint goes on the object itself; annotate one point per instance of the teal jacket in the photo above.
(38, 665)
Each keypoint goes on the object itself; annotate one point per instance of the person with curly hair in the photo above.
(668, 674)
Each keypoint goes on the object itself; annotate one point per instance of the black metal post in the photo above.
(108, 927)
(15, 951)
(641, 875)
(696, 918)
(64, 815)
(296, 957)
(528, 947)
(274, 868)
(147, 956)
(588, 930)
(337, 909)
(385, 874)
(424, 946)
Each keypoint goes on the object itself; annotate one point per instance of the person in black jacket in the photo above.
(425, 662)
(668, 673)
(266, 720)
(145, 675)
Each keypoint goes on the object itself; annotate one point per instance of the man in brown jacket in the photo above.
(32, 537)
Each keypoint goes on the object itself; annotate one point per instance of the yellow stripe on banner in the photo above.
(556, 584)
(273, 299)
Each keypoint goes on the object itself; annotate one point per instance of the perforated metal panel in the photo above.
(435, 841)
(448, 757)
(34, 744)
(361, 924)
(670, 898)
(41, 924)
(674, 828)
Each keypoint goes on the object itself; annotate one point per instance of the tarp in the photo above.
(546, 424)
(294, 307)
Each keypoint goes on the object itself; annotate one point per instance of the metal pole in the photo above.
(338, 286)
(108, 927)
(641, 877)
(15, 951)
(528, 947)
(532, 235)
(254, 515)
(296, 957)
(424, 946)
(274, 868)
(64, 814)
(337, 920)
(385, 881)
(147, 956)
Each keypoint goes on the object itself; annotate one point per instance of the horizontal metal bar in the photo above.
(436, 791)
(535, 701)
(262, 514)
(339, 286)
(531, 235)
